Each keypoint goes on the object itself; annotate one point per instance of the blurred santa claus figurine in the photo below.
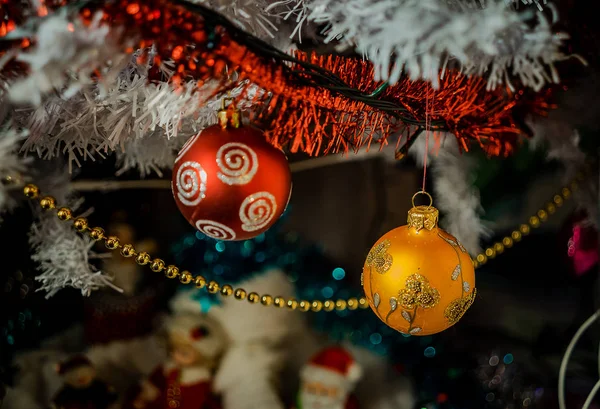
(328, 380)
(185, 381)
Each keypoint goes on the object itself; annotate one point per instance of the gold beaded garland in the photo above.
(112, 242)
(97, 233)
(172, 271)
(199, 281)
(64, 213)
(31, 191)
(48, 203)
(127, 250)
(253, 298)
(212, 287)
(186, 278)
(157, 265)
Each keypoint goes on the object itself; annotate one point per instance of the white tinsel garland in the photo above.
(64, 58)
(423, 35)
(11, 163)
(63, 257)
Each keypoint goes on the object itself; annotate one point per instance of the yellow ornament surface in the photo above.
(417, 278)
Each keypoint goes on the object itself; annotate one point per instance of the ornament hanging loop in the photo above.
(422, 192)
(229, 116)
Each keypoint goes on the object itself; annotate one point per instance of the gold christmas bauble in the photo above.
(417, 278)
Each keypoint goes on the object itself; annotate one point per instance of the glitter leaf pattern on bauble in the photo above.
(456, 273)
(406, 316)
(393, 303)
(376, 299)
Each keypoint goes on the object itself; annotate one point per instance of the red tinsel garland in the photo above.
(315, 120)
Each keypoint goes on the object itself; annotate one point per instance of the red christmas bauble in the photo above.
(231, 184)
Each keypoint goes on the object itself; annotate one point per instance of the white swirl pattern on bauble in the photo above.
(215, 230)
(190, 183)
(237, 163)
(257, 211)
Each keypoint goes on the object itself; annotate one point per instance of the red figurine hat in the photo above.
(333, 365)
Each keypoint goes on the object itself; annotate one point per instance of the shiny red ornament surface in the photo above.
(230, 183)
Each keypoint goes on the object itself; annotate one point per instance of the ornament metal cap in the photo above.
(423, 217)
(231, 116)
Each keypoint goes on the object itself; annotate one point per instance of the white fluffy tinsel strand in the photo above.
(63, 257)
(454, 193)
(487, 39)
(11, 163)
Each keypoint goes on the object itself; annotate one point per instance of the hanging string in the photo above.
(427, 130)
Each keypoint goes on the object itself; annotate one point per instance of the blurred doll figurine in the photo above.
(81, 389)
(327, 381)
(185, 381)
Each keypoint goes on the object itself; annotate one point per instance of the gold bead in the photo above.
(253, 298)
(340, 305)
(490, 252)
(199, 281)
(213, 287)
(499, 248)
(316, 306)
(97, 233)
(352, 303)
(279, 302)
(304, 305)
(172, 271)
(534, 221)
(542, 215)
(142, 258)
(558, 200)
(31, 191)
(475, 263)
(127, 250)
(566, 192)
(516, 235)
(227, 290)
(112, 242)
(524, 229)
(292, 304)
(48, 203)
(157, 265)
(363, 303)
(64, 213)
(507, 241)
(328, 305)
(266, 300)
(80, 224)
(550, 208)
(481, 258)
(186, 278)
(574, 186)
(240, 294)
